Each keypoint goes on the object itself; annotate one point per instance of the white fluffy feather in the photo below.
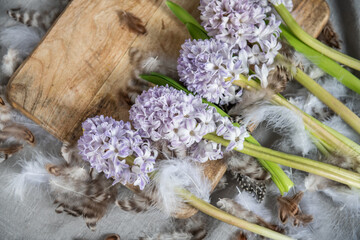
(32, 176)
(347, 197)
(285, 122)
(311, 105)
(176, 173)
(160, 64)
(343, 195)
(315, 183)
(20, 37)
(313, 71)
(10, 62)
(339, 125)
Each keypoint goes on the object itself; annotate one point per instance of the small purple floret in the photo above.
(106, 143)
(164, 113)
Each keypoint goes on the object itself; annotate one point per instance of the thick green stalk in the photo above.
(312, 42)
(338, 107)
(315, 127)
(348, 148)
(216, 213)
(334, 104)
(228, 218)
(300, 163)
(279, 177)
(326, 64)
(297, 159)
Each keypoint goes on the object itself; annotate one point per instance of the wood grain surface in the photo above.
(82, 65)
(312, 15)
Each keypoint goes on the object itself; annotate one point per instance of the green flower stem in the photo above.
(326, 64)
(279, 177)
(319, 130)
(300, 163)
(216, 213)
(315, 127)
(338, 107)
(312, 42)
(323, 149)
(228, 218)
(297, 159)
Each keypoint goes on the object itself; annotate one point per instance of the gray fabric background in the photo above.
(34, 217)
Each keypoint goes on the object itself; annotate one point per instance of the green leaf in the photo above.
(183, 15)
(196, 32)
(161, 80)
(325, 63)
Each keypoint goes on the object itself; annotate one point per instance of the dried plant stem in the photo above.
(312, 42)
(228, 218)
(300, 163)
(326, 64)
(329, 100)
(331, 139)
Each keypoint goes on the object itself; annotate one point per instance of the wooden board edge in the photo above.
(325, 20)
(29, 116)
(35, 48)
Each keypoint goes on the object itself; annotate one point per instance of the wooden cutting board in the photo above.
(82, 64)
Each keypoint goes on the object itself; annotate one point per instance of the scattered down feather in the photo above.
(32, 177)
(21, 38)
(284, 122)
(174, 174)
(342, 195)
(239, 163)
(10, 62)
(193, 228)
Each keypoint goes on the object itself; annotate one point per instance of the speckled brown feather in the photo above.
(239, 163)
(234, 208)
(329, 37)
(18, 132)
(289, 208)
(77, 191)
(133, 23)
(134, 204)
(11, 130)
(278, 79)
(239, 235)
(34, 18)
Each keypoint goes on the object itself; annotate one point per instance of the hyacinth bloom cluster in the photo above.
(204, 64)
(108, 145)
(166, 114)
(208, 67)
(248, 24)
